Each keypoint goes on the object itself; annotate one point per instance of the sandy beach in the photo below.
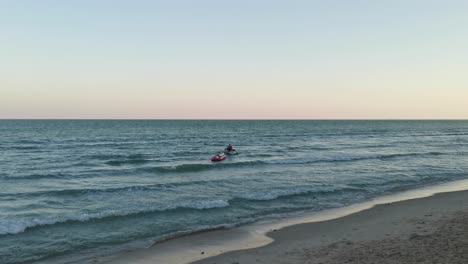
(432, 229)
(425, 230)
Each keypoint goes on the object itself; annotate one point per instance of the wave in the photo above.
(285, 193)
(124, 162)
(268, 196)
(15, 226)
(196, 167)
(34, 176)
(29, 141)
(350, 158)
(24, 147)
(90, 191)
(86, 171)
(62, 175)
(118, 160)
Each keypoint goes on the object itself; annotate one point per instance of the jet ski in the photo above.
(219, 157)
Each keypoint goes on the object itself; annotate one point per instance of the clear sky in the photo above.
(338, 59)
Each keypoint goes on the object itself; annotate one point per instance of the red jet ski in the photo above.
(219, 157)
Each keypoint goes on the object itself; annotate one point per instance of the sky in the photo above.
(244, 59)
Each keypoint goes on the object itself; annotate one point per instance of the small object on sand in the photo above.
(203, 252)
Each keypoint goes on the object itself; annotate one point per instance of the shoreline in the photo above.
(432, 229)
(206, 246)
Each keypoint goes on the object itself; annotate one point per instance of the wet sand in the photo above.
(426, 230)
(401, 228)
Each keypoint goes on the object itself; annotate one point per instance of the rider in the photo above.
(229, 149)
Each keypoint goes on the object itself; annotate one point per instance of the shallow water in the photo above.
(93, 186)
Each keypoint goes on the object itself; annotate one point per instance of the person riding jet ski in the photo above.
(230, 150)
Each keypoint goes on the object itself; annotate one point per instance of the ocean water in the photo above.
(83, 187)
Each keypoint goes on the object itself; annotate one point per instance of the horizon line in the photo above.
(243, 119)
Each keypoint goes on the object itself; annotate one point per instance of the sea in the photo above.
(74, 189)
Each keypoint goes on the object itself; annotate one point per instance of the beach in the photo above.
(426, 230)
(431, 229)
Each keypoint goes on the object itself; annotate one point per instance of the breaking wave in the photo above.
(19, 225)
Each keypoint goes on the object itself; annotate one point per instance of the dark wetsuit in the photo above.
(230, 149)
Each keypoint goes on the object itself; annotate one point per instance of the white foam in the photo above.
(15, 226)
(207, 204)
(266, 196)
(20, 224)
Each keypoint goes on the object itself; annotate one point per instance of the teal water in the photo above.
(88, 186)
